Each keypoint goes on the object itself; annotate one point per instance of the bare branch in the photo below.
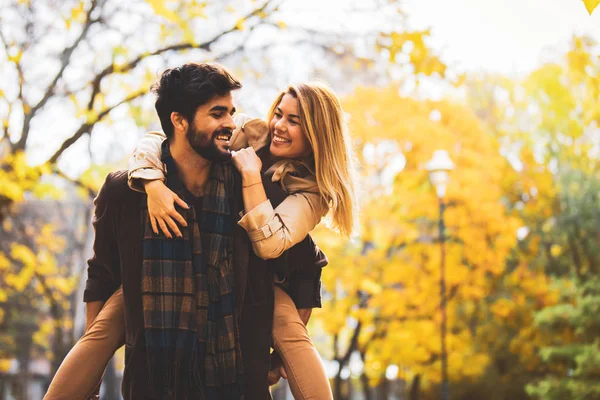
(5, 135)
(20, 97)
(90, 192)
(65, 60)
(176, 47)
(86, 127)
(111, 69)
(353, 345)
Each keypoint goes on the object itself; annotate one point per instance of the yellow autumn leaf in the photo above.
(239, 25)
(15, 56)
(591, 5)
(5, 365)
(78, 12)
(23, 254)
(4, 262)
(91, 116)
(159, 7)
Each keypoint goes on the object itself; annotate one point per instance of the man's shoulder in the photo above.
(117, 189)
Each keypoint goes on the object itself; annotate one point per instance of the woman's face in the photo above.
(287, 138)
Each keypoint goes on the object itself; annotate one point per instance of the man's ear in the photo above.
(178, 121)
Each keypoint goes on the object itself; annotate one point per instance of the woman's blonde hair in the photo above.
(322, 121)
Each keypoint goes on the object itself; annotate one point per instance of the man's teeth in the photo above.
(223, 137)
(279, 139)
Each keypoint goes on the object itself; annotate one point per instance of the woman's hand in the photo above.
(246, 161)
(161, 208)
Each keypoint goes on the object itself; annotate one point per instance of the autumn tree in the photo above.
(387, 280)
(74, 97)
(547, 123)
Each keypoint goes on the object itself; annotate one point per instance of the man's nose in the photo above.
(229, 123)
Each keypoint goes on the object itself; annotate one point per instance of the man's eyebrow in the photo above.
(220, 108)
(291, 115)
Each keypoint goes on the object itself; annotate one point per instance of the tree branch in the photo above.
(91, 192)
(176, 47)
(65, 60)
(20, 97)
(87, 126)
(352, 346)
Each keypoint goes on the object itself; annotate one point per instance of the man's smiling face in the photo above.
(210, 130)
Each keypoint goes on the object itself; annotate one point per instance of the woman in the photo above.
(310, 157)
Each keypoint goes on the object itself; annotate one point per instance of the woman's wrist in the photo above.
(251, 176)
(151, 185)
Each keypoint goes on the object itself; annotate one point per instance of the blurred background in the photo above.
(486, 290)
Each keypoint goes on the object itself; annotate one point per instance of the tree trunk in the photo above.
(364, 380)
(383, 389)
(21, 387)
(337, 384)
(415, 388)
(111, 383)
(59, 346)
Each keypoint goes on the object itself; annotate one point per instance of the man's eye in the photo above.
(218, 115)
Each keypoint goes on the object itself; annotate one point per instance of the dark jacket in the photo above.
(117, 260)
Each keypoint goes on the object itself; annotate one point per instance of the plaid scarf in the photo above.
(191, 331)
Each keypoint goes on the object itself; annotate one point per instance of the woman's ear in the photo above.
(179, 122)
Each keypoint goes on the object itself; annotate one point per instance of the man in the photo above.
(199, 308)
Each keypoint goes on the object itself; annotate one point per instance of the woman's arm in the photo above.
(146, 174)
(275, 230)
(145, 162)
(272, 231)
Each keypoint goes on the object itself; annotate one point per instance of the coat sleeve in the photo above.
(145, 161)
(104, 269)
(275, 230)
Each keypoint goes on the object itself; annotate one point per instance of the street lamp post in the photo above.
(438, 168)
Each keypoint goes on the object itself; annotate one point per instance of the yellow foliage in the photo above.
(239, 25)
(17, 178)
(5, 364)
(4, 262)
(590, 5)
(395, 265)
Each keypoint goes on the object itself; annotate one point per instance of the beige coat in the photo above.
(271, 230)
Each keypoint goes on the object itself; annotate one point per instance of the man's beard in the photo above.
(205, 145)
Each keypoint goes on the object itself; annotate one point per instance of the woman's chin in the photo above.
(279, 152)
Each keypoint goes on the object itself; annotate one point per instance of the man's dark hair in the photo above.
(183, 89)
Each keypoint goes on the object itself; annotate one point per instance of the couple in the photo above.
(198, 312)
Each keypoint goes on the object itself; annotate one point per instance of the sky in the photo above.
(507, 36)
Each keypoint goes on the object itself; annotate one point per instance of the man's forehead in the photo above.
(219, 101)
